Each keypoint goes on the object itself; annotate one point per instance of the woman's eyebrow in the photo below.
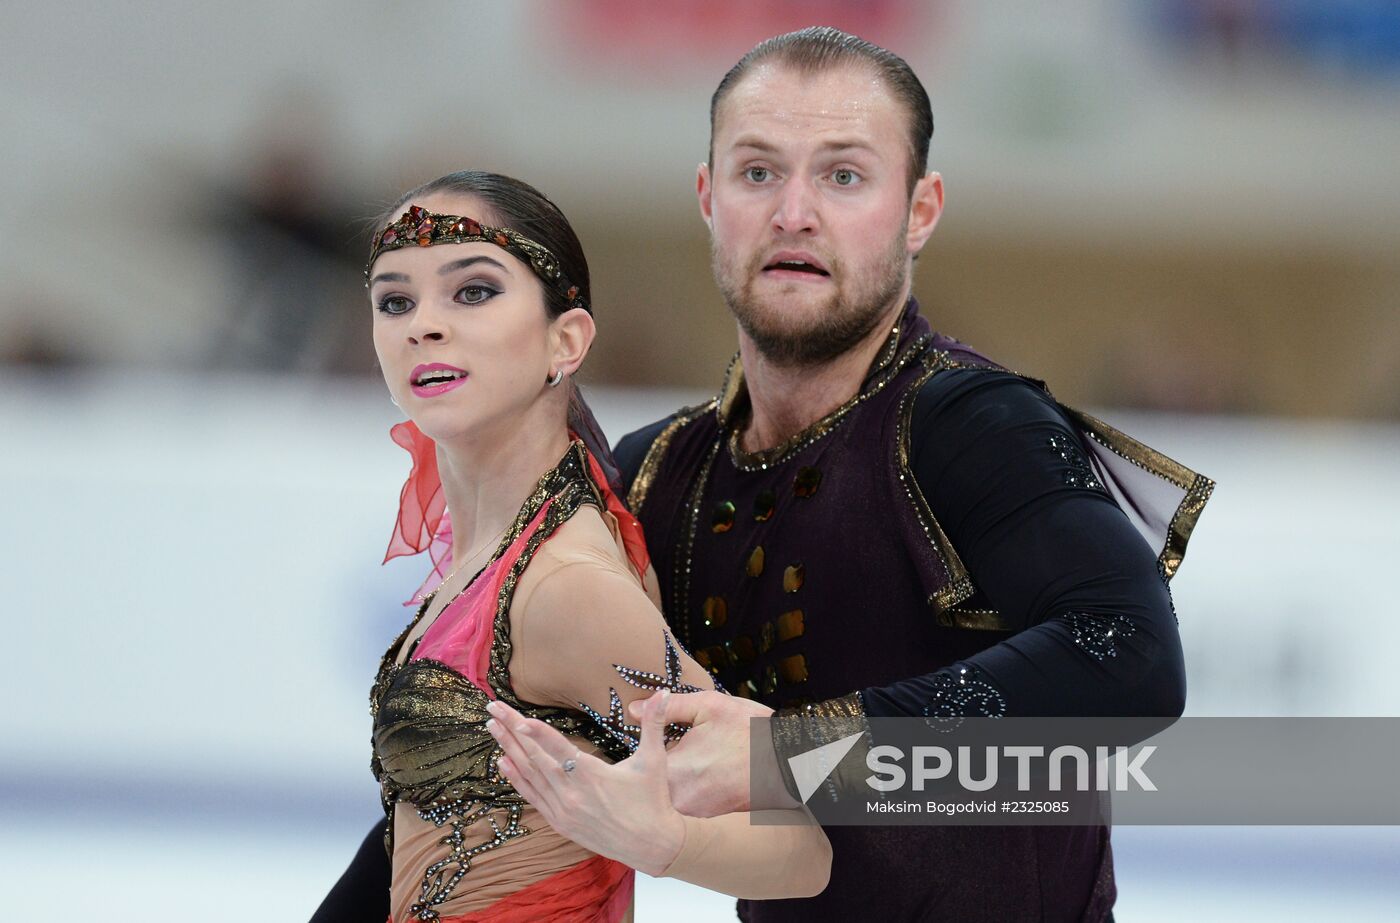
(389, 277)
(442, 270)
(468, 261)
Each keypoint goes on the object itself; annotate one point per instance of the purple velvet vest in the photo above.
(816, 569)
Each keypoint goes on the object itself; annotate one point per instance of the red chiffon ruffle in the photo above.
(424, 523)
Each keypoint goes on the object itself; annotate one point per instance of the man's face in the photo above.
(808, 204)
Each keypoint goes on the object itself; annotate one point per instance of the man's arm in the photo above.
(1048, 547)
(1050, 550)
(631, 450)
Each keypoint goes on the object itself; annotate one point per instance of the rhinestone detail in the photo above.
(958, 694)
(438, 883)
(1098, 634)
(1080, 474)
(615, 722)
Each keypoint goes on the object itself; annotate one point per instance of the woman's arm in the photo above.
(623, 811)
(785, 854)
(586, 636)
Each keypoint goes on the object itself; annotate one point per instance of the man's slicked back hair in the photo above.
(822, 48)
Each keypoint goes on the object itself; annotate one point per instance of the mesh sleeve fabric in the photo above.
(588, 637)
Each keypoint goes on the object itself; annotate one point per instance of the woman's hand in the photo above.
(619, 810)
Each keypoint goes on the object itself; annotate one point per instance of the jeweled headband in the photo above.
(423, 228)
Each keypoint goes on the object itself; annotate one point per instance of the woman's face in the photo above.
(461, 330)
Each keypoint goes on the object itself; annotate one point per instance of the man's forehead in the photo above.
(776, 97)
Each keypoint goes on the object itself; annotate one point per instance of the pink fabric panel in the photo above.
(461, 636)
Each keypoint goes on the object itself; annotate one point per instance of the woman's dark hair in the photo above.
(521, 208)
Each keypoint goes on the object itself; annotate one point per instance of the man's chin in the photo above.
(781, 335)
(803, 336)
(790, 311)
(798, 290)
(793, 344)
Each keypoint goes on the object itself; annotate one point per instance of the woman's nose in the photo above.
(427, 325)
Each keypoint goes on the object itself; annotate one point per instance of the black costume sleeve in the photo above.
(1093, 628)
(631, 450)
(362, 893)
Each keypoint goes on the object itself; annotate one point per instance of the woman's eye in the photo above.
(395, 304)
(756, 174)
(844, 177)
(476, 294)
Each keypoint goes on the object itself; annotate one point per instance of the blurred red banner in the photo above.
(670, 38)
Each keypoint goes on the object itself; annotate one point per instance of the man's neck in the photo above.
(785, 400)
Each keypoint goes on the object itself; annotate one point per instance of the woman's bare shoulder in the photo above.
(584, 537)
(582, 550)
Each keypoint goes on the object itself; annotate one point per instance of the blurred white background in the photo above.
(1183, 214)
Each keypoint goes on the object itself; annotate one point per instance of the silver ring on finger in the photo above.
(569, 765)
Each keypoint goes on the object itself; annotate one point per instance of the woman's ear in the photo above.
(573, 333)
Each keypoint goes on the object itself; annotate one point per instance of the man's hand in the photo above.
(708, 771)
(618, 810)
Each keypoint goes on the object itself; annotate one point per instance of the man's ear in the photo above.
(573, 335)
(925, 208)
(703, 191)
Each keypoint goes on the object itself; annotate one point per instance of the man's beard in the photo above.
(849, 315)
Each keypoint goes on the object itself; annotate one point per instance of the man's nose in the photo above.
(796, 211)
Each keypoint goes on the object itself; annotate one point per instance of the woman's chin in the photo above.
(442, 425)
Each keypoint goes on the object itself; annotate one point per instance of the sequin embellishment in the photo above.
(763, 505)
(790, 625)
(460, 814)
(794, 668)
(615, 722)
(1080, 474)
(1098, 634)
(770, 681)
(807, 481)
(714, 658)
(715, 612)
(722, 519)
(1167, 582)
(961, 694)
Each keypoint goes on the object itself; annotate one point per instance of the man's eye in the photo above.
(845, 177)
(756, 174)
(395, 304)
(476, 294)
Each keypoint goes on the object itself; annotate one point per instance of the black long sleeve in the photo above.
(631, 450)
(361, 895)
(1094, 628)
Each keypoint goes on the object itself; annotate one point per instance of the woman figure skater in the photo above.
(541, 595)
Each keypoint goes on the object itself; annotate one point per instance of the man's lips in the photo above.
(436, 378)
(795, 265)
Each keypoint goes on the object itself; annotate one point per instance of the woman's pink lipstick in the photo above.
(435, 370)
